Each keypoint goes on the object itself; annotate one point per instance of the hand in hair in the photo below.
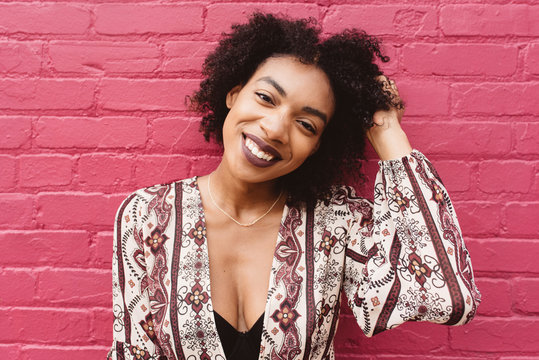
(386, 135)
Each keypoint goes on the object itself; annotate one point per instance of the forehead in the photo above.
(301, 82)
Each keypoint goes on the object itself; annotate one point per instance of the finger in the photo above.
(394, 88)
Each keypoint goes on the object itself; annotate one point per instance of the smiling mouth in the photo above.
(260, 149)
(255, 150)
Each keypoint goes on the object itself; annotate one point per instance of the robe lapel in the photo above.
(286, 315)
(194, 324)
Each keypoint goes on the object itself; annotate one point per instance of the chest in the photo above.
(240, 263)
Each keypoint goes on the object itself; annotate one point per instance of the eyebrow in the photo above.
(282, 92)
(315, 112)
(273, 83)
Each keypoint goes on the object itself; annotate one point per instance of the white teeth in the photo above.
(256, 151)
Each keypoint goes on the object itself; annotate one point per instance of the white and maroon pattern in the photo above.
(400, 258)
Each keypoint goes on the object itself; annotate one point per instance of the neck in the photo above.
(242, 198)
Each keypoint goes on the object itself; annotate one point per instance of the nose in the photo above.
(276, 126)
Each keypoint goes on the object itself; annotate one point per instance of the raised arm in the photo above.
(409, 261)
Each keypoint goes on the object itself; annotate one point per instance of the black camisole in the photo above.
(239, 345)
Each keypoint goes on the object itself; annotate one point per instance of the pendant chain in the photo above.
(231, 217)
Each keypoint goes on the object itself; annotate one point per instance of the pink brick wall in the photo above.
(92, 107)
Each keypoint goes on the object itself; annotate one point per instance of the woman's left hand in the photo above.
(386, 135)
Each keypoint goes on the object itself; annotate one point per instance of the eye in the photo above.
(264, 97)
(307, 126)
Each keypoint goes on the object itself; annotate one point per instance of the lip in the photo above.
(262, 145)
(266, 148)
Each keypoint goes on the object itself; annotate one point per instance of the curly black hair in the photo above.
(347, 59)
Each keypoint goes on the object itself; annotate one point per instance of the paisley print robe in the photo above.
(397, 259)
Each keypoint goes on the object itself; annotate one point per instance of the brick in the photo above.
(78, 132)
(525, 293)
(17, 210)
(84, 209)
(496, 98)
(16, 131)
(489, 20)
(407, 20)
(105, 169)
(167, 94)
(44, 94)
(535, 186)
(103, 325)
(462, 138)
(75, 287)
(43, 19)
(109, 57)
(31, 352)
(7, 172)
(148, 18)
(10, 351)
(181, 135)
(204, 165)
(46, 169)
(504, 255)
(521, 218)
(479, 218)
(351, 355)
(43, 247)
(186, 56)
(532, 59)
(424, 97)
(158, 169)
(20, 57)
(526, 138)
(390, 68)
(460, 59)
(220, 17)
(495, 336)
(496, 296)
(455, 174)
(21, 289)
(44, 325)
(497, 176)
(102, 250)
(407, 338)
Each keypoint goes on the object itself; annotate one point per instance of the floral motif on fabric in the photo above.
(285, 316)
(138, 353)
(156, 240)
(148, 327)
(327, 242)
(418, 268)
(197, 298)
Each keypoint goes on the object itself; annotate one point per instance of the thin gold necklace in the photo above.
(231, 217)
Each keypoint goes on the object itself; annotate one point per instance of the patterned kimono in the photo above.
(400, 258)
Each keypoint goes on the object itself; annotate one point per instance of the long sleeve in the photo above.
(408, 262)
(132, 327)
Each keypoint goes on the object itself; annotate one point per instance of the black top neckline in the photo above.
(237, 344)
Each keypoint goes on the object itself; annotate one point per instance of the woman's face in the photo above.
(276, 119)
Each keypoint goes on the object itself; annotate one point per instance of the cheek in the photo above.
(306, 149)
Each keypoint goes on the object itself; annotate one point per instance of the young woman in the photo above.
(249, 262)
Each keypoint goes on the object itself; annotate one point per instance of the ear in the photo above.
(232, 95)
